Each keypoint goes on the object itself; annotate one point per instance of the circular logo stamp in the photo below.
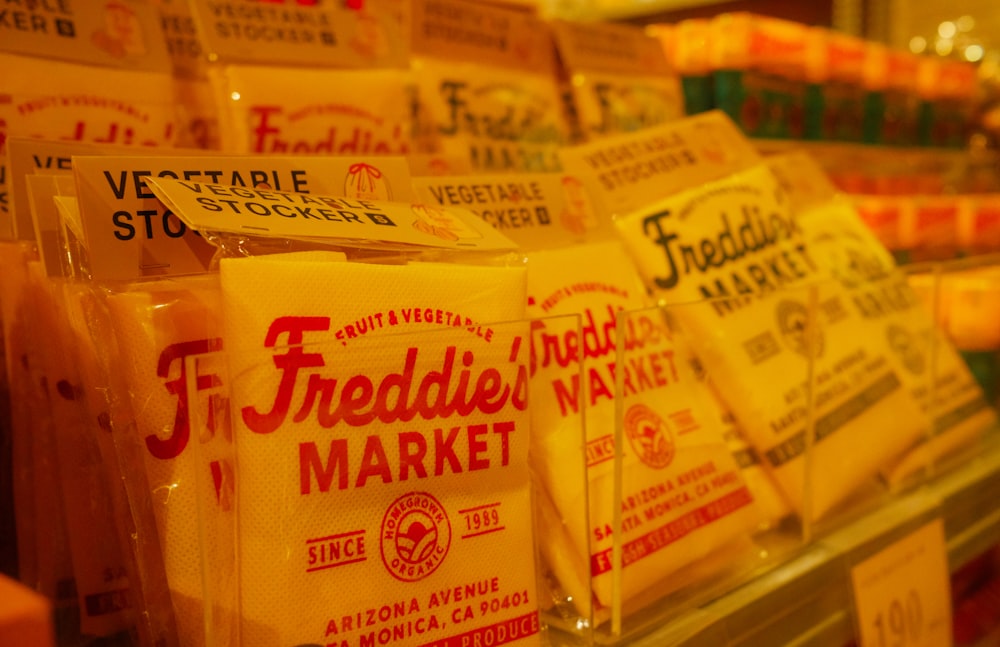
(793, 318)
(649, 436)
(415, 537)
(903, 343)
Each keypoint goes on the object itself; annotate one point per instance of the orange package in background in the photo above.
(619, 76)
(487, 88)
(979, 224)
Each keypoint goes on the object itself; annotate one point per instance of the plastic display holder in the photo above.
(383, 491)
(206, 390)
(719, 519)
(960, 298)
(559, 478)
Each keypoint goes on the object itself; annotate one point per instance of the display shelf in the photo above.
(623, 9)
(808, 600)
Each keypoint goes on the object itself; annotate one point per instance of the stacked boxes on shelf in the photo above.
(784, 80)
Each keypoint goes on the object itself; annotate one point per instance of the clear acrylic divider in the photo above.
(871, 375)
(960, 309)
(101, 387)
(559, 458)
(205, 384)
(383, 492)
(694, 511)
(746, 428)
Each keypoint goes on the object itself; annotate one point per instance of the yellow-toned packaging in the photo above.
(737, 239)
(81, 50)
(732, 261)
(100, 561)
(427, 492)
(303, 34)
(169, 343)
(535, 210)
(88, 104)
(769, 499)
(619, 78)
(309, 79)
(166, 346)
(76, 105)
(300, 111)
(543, 213)
(925, 359)
(487, 94)
(682, 496)
(424, 495)
(105, 389)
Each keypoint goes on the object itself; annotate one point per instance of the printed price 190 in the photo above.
(902, 594)
(900, 624)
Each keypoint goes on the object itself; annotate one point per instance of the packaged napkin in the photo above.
(381, 433)
(619, 78)
(169, 339)
(486, 86)
(778, 336)
(682, 495)
(301, 111)
(956, 410)
(100, 566)
(925, 359)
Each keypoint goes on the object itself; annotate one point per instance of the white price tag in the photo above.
(902, 595)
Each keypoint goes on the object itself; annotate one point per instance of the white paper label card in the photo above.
(902, 594)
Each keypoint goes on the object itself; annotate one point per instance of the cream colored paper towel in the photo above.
(925, 359)
(682, 494)
(327, 537)
(736, 237)
(160, 328)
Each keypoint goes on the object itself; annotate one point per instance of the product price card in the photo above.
(902, 595)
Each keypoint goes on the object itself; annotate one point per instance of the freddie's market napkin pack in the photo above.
(358, 422)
